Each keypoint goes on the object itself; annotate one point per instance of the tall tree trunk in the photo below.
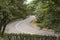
(3, 29)
(1, 25)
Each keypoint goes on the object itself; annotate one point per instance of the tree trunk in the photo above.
(1, 24)
(3, 29)
(0, 27)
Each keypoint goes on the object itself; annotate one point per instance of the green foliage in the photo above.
(14, 8)
(48, 13)
(11, 10)
(27, 37)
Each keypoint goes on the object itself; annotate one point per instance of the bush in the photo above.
(27, 37)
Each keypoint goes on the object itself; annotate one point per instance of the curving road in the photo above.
(24, 26)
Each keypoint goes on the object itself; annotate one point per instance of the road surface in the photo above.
(24, 26)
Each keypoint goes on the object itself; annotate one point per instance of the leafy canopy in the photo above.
(48, 13)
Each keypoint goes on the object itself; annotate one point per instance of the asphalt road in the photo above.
(24, 26)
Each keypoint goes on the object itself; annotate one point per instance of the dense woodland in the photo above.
(46, 11)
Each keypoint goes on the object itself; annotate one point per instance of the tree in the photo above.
(11, 10)
(48, 12)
